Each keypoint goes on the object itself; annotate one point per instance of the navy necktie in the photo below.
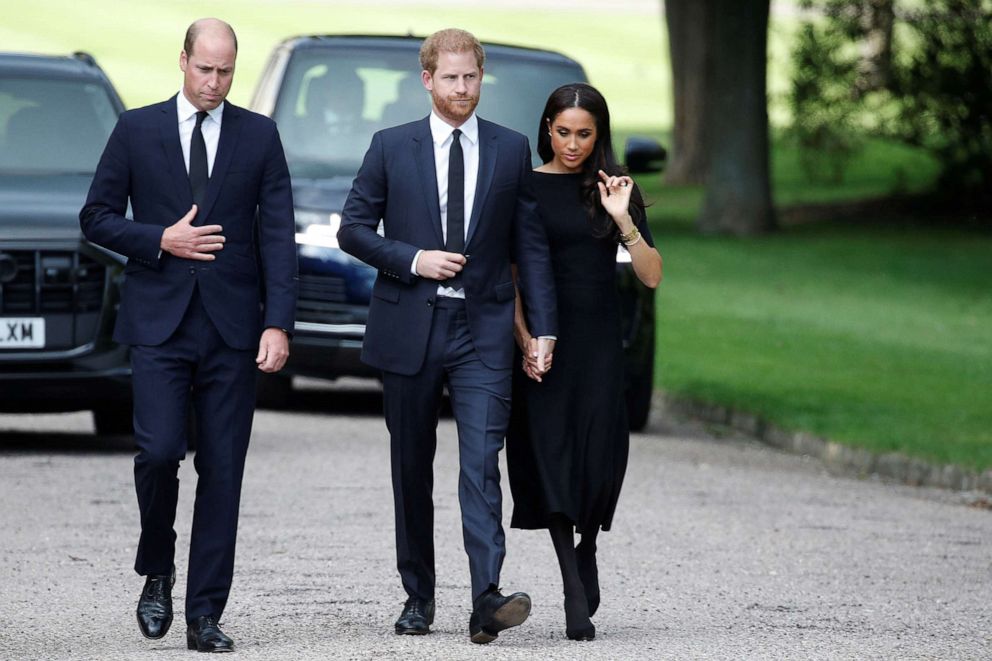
(198, 176)
(455, 239)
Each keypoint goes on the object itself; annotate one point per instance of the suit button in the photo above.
(192, 270)
(430, 302)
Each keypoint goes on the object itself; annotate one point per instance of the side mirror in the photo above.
(644, 155)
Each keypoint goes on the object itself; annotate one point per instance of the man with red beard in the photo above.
(453, 193)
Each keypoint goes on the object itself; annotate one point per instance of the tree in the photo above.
(687, 30)
(738, 188)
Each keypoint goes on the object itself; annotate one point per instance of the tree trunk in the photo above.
(687, 44)
(738, 189)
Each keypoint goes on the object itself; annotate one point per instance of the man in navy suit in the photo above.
(453, 193)
(210, 194)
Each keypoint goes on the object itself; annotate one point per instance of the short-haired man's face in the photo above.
(455, 86)
(209, 70)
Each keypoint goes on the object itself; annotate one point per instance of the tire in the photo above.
(114, 420)
(274, 391)
(639, 392)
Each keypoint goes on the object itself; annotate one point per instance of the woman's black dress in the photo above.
(568, 438)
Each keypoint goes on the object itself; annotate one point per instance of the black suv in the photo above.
(329, 94)
(58, 293)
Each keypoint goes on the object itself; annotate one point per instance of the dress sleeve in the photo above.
(640, 219)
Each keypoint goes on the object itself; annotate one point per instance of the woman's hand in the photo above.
(530, 364)
(614, 193)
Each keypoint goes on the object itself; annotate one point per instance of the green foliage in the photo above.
(823, 104)
(946, 90)
(934, 90)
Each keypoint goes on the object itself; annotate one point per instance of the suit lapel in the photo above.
(169, 129)
(488, 149)
(426, 169)
(230, 128)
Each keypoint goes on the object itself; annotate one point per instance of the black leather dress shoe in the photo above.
(205, 635)
(416, 618)
(492, 613)
(155, 605)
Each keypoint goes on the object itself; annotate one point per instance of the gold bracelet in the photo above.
(632, 236)
(634, 242)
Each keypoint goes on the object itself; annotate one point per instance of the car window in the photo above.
(53, 126)
(332, 101)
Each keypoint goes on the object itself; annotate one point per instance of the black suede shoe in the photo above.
(205, 635)
(155, 605)
(416, 618)
(492, 613)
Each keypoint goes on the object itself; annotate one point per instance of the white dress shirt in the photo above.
(441, 136)
(210, 129)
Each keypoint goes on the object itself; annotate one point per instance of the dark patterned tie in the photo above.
(198, 176)
(455, 240)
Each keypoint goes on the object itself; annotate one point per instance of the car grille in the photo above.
(52, 281)
(320, 299)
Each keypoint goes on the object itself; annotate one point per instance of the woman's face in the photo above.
(573, 136)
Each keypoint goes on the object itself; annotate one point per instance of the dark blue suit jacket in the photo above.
(249, 195)
(397, 183)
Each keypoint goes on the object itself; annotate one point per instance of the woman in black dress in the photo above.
(568, 438)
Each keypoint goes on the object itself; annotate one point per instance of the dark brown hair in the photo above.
(588, 98)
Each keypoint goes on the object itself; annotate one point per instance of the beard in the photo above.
(454, 108)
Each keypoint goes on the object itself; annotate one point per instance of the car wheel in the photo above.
(114, 421)
(274, 391)
(639, 402)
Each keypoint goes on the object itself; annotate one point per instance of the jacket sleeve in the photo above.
(364, 208)
(102, 218)
(277, 238)
(533, 257)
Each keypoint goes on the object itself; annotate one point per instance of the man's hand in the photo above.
(439, 265)
(545, 349)
(184, 240)
(273, 350)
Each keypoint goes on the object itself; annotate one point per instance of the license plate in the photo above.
(22, 332)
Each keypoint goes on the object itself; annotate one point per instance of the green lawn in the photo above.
(873, 335)
(867, 333)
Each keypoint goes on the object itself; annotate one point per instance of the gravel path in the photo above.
(721, 549)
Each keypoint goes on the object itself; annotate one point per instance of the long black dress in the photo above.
(568, 438)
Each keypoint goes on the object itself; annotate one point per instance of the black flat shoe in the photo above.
(492, 613)
(205, 635)
(155, 605)
(416, 618)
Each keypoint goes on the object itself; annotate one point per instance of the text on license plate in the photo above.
(22, 332)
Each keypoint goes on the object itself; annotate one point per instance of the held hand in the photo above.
(614, 193)
(545, 347)
(439, 265)
(184, 240)
(273, 350)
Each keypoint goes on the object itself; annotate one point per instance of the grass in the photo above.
(867, 333)
(871, 335)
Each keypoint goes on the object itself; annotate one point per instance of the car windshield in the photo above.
(333, 100)
(53, 126)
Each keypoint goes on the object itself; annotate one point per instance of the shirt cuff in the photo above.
(548, 337)
(413, 266)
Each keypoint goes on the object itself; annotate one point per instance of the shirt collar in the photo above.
(188, 110)
(441, 130)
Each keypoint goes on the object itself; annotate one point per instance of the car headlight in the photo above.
(315, 228)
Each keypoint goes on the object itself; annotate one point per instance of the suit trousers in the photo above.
(480, 400)
(194, 364)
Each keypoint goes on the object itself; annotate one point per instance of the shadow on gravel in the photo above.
(47, 442)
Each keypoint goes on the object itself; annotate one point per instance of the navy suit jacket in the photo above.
(249, 195)
(397, 183)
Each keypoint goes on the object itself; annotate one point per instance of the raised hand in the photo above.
(614, 193)
(189, 242)
(439, 265)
